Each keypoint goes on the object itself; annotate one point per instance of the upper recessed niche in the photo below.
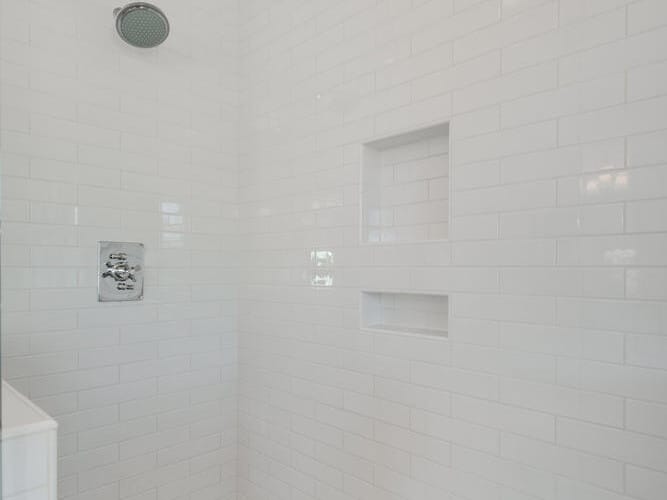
(405, 187)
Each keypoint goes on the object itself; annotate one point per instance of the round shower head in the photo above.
(142, 24)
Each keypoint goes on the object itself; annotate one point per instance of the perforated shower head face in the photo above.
(142, 24)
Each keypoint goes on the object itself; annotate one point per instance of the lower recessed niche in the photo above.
(405, 187)
(422, 314)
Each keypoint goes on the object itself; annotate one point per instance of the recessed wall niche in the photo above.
(415, 313)
(405, 187)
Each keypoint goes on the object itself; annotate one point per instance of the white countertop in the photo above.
(21, 416)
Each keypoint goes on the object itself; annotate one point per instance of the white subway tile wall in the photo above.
(235, 153)
(101, 141)
(552, 383)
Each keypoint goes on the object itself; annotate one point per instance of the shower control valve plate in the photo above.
(120, 271)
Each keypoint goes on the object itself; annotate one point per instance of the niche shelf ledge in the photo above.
(405, 313)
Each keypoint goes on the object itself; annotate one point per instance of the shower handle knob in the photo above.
(120, 270)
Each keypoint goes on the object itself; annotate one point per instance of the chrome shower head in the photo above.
(141, 24)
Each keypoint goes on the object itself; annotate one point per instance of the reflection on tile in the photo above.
(172, 240)
(321, 278)
(169, 221)
(320, 258)
(167, 207)
(618, 181)
(619, 256)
